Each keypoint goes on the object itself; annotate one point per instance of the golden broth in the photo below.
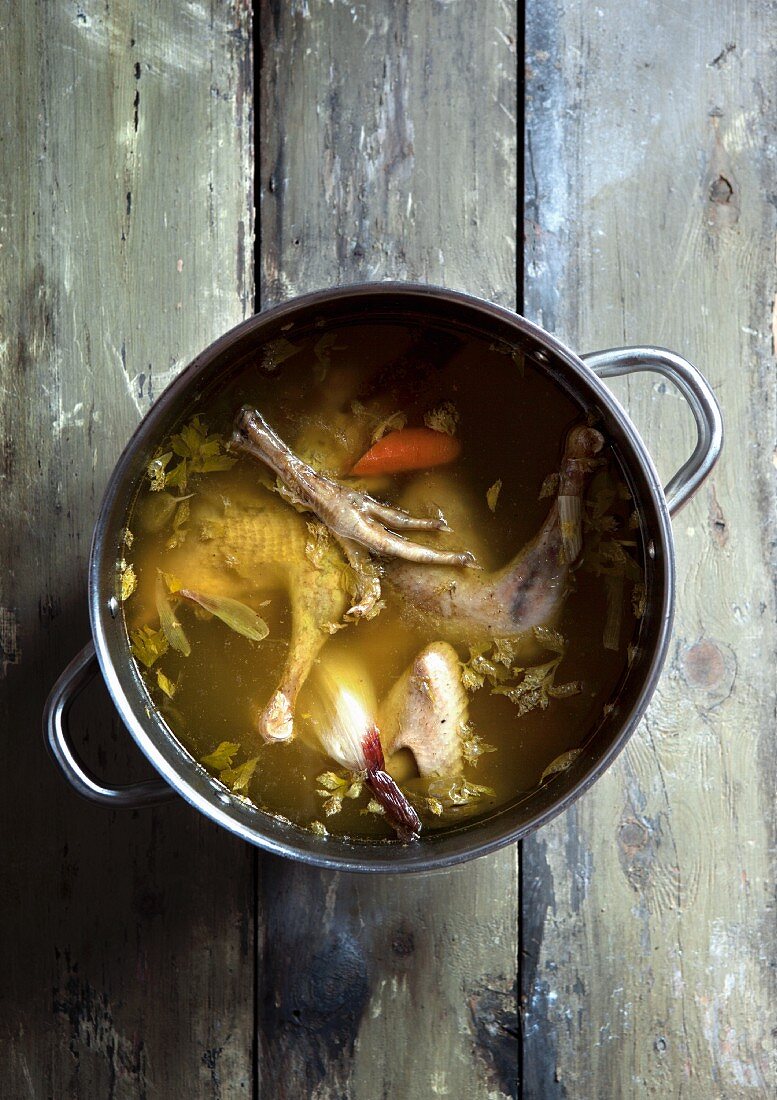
(512, 423)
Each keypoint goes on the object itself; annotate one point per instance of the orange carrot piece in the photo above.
(408, 449)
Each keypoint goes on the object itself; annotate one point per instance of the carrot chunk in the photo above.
(408, 449)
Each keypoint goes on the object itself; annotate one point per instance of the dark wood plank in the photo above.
(125, 150)
(388, 149)
(648, 909)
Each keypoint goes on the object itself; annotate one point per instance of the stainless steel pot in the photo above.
(580, 378)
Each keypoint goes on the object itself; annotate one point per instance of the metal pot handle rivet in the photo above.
(80, 672)
(696, 391)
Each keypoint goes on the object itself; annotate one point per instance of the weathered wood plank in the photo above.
(649, 909)
(388, 149)
(125, 214)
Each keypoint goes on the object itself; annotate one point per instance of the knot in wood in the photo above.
(704, 665)
(632, 836)
(721, 190)
(403, 943)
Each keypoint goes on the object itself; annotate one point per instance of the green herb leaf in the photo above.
(189, 440)
(458, 791)
(330, 781)
(471, 680)
(524, 696)
(221, 757)
(337, 786)
(444, 418)
(533, 690)
(549, 486)
(156, 471)
(355, 789)
(393, 423)
(147, 645)
(560, 764)
(473, 746)
(237, 779)
(505, 650)
(323, 352)
(564, 691)
(216, 463)
(167, 685)
(180, 519)
(527, 688)
(156, 511)
(200, 452)
(179, 475)
(550, 639)
(128, 582)
(275, 352)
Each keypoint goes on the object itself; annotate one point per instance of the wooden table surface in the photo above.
(167, 168)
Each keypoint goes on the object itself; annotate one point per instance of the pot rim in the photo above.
(368, 857)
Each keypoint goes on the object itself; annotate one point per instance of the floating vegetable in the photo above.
(492, 496)
(198, 451)
(237, 779)
(560, 764)
(473, 747)
(156, 511)
(528, 688)
(221, 757)
(128, 581)
(156, 471)
(609, 555)
(334, 788)
(148, 645)
(322, 350)
(171, 627)
(613, 585)
(276, 352)
(349, 736)
(180, 520)
(166, 684)
(444, 418)
(549, 487)
(238, 616)
(458, 791)
(408, 449)
(570, 517)
(393, 423)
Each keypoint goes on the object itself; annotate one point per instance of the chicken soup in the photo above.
(384, 581)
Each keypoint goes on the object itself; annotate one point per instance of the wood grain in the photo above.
(649, 909)
(125, 223)
(388, 149)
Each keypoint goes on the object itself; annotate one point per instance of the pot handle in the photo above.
(80, 672)
(697, 392)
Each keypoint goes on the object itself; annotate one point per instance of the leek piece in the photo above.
(237, 616)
